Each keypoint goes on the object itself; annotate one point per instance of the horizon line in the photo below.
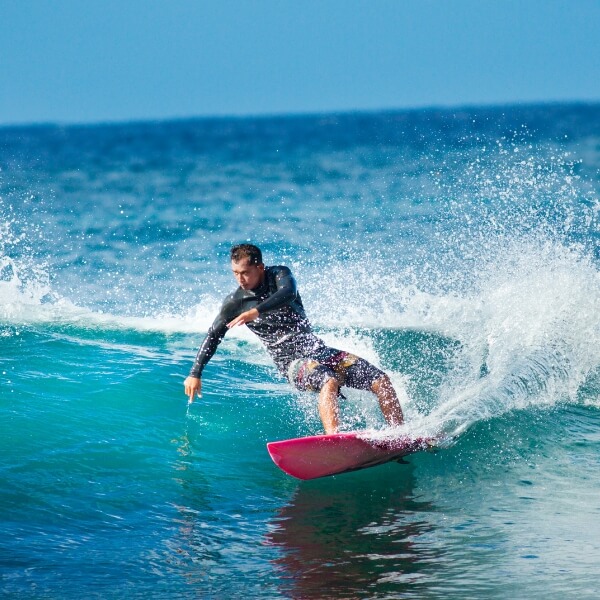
(309, 113)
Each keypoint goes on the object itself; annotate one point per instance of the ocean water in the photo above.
(457, 249)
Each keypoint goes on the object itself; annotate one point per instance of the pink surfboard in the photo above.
(322, 455)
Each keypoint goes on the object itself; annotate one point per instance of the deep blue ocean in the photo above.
(459, 250)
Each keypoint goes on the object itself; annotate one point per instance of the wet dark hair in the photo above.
(249, 251)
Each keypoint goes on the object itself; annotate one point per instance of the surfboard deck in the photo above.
(322, 455)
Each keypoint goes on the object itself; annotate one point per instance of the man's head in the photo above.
(247, 266)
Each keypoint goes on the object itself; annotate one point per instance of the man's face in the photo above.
(248, 276)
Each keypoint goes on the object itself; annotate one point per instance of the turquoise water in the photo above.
(458, 250)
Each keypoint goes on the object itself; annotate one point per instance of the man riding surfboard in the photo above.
(268, 303)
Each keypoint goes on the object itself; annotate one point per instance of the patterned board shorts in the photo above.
(310, 374)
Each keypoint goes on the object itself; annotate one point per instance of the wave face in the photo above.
(457, 250)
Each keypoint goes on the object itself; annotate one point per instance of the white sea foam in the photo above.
(532, 322)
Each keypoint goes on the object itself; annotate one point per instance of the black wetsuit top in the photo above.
(282, 324)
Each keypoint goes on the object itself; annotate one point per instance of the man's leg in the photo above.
(388, 401)
(328, 406)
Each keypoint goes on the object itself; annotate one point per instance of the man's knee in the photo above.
(332, 385)
(383, 381)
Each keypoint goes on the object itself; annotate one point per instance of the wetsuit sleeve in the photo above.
(286, 291)
(212, 340)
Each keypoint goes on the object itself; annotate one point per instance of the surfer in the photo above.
(268, 302)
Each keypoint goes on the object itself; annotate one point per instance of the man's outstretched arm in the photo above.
(193, 383)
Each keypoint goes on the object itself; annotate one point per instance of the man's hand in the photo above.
(193, 386)
(245, 317)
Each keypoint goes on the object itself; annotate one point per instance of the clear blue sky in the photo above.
(106, 60)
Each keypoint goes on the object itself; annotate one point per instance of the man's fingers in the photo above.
(189, 392)
(192, 386)
(244, 318)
